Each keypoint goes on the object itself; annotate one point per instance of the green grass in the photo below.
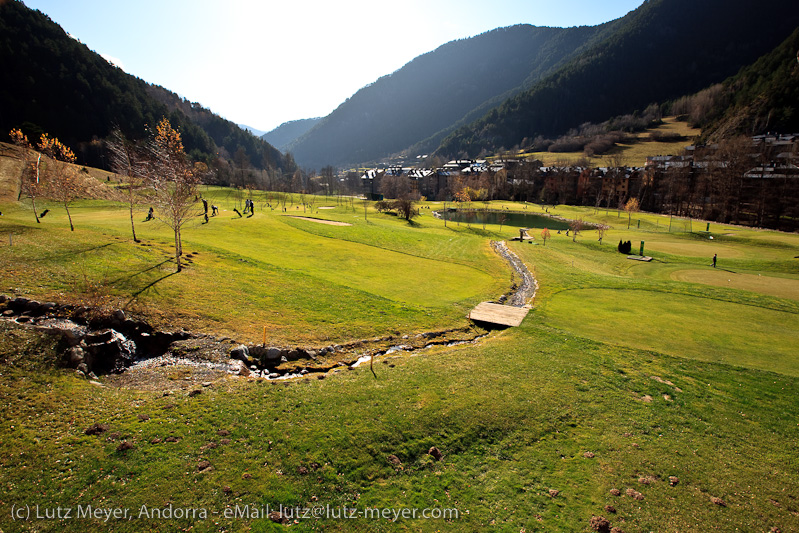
(657, 369)
(680, 325)
(304, 281)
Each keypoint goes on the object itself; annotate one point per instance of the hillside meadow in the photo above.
(634, 152)
(654, 394)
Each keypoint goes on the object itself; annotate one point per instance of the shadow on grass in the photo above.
(124, 280)
(147, 287)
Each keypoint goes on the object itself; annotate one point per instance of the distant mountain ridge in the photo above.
(55, 84)
(437, 90)
(288, 132)
(506, 87)
(254, 131)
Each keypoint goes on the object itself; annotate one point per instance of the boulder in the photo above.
(271, 355)
(240, 352)
(18, 304)
(75, 356)
(108, 351)
(257, 351)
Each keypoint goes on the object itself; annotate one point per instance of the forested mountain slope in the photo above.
(55, 84)
(661, 51)
(436, 90)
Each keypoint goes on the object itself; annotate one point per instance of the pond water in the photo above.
(520, 220)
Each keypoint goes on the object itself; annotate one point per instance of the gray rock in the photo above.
(19, 303)
(273, 354)
(73, 336)
(108, 351)
(240, 352)
(75, 356)
(257, 351)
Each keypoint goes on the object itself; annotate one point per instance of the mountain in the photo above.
(288, 132)
(431, 94)
(256, 132)
(660, 51)
(760, 98)
(55, 84)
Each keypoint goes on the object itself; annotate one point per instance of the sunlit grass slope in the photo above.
(303, 280)
(624, 375)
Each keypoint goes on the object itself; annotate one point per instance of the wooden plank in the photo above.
(504, 315)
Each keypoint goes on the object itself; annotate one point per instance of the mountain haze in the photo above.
(286, 133)
(436, 90)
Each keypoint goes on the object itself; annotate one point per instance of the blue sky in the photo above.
(262, 63)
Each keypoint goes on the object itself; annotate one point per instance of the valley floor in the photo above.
(651, 394)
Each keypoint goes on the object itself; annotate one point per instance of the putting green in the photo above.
(780, 287)
(680, 325)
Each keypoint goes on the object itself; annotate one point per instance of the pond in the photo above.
(520, 220)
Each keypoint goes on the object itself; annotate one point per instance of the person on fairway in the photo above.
(714, 260)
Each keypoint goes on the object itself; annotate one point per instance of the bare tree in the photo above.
(502, 218)
(128, 163)
(30, 182)
(173, 180)
(601, 229)
(576, 226)
(328, 174)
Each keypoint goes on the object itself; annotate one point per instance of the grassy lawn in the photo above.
(680, 325)
(624, 374)
(304, 281)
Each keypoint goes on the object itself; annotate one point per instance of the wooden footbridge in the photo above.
(503, 315)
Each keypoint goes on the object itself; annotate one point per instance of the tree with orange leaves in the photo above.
(173, 179)
(63, 183)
